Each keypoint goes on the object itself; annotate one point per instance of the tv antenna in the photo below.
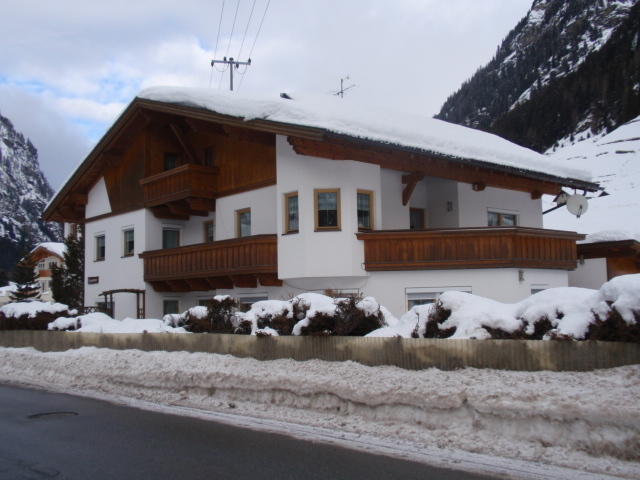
(340, 93)
(231, 63)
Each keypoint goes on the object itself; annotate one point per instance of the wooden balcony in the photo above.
(238, 262)
(488, 247)
(180, 192)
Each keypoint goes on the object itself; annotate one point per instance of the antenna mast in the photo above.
(340, 93)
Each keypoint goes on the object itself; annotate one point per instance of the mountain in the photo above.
(567, 71)
(614, 161)
(24, 192)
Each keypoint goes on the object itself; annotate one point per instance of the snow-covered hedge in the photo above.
(611, 313)
(102, 323)
(219, 316)
(33, 315)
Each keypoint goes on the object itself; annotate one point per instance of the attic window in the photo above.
(171, 160)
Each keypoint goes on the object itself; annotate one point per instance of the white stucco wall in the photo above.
(98, 200)
(474, 206)
(442, 194)
(395, 216)
(591, 273)
(115, 271)
(263, 205)
(325, 253)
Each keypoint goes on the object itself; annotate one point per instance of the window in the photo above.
(170, 306)
(416, 218)
(170, 237)
(291, 213)
(245, 302)
(243, 222)
(171, 160)
(41, 265)
(128, 243)
(100, 248)
(327, 207)
(209, 231)
(365, 210)
(425, 295)
(497, 219)
(52, 264)
(538, 288)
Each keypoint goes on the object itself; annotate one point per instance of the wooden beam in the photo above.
(536, 194)
(410, 181)
(178, 285)
(162, 211)
(269, 280)
(244, 281)
(202, 204)
(200, 126)
(198, 284)
(246, 135)
(183, 208)
(186, 147)
(160, 286)
(219, 283)
(478, 186)
(429, 165)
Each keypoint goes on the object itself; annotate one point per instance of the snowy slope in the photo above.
(615, 163)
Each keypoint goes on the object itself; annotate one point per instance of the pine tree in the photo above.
(67, 282)
(27, 287)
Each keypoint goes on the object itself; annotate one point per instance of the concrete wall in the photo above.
(591, 273)
(414, 354)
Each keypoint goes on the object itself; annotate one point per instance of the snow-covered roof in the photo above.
(56, 248)
(611, 236)
(343, 117)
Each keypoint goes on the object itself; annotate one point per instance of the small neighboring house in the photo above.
(44, 257)
(604, 255)
(193, 193)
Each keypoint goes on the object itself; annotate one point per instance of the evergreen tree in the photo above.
(67, 282)
(27, 287)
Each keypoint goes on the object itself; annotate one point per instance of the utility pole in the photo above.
(232, 63)
(340, 92)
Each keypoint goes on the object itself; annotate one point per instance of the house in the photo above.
(604, 255)
(44, 257)
(193, 193)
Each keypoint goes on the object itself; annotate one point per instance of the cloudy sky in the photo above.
(67, 68)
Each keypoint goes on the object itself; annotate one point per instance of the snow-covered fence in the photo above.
(408, 353)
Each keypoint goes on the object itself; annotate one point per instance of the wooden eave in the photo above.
(619, 248)
(306, 141)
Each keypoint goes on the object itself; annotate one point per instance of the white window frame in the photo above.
(430, 293)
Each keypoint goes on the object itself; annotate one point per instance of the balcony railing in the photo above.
(187, 186)
(238, 262)
(492, 247)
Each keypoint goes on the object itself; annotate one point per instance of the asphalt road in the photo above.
(92, 440)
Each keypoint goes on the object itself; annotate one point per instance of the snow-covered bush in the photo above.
(314, 314)
(219, 316)
(33, 315)
(102, 323)
(611, 313)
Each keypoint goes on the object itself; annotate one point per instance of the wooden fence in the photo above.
(414, 354)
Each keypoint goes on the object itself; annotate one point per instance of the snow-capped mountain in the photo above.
(568, 69)
(24, 191)
(614, 161)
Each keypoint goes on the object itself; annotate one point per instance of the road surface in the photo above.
(46, 435)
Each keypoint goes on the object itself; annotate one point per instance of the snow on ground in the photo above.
(101, 323)
(615, 162)
(364, 121)
(32, 308)
(588, 421)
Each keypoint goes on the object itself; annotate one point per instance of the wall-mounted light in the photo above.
(449, 206)
(521, 276)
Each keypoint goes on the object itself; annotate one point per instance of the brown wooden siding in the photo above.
(516, 247)
(207, 266)
(186, 181)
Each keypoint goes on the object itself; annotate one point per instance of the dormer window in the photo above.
(171, 160)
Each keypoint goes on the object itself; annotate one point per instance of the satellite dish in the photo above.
(577, 205)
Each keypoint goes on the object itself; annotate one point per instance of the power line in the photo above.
(233, 27)
(255, 40)
(215, 52)
(253, 5)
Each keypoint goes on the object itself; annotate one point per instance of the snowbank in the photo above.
(587, 420)
(563, 313)
(101, 323)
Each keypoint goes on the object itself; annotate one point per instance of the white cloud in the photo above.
(85, 109)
